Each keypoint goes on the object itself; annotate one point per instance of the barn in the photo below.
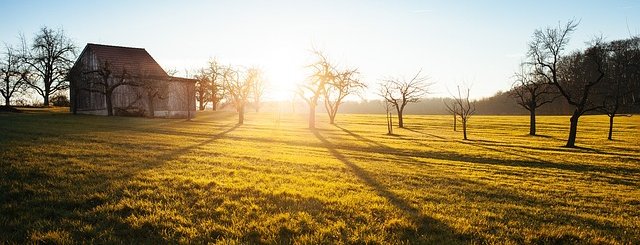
(114, 80)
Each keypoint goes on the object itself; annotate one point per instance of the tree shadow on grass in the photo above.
(429, 229)
(424, 133)
(531, 161)
(34, 200)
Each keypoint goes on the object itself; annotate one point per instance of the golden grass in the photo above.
(99, 179)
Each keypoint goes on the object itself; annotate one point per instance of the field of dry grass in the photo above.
(69, 178)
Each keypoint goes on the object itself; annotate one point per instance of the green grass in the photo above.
(68, 179)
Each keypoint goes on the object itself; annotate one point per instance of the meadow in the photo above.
(92, 179)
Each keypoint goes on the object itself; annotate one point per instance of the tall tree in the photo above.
(216, 74)
(623, 61)
(202, 88)
(463, 108)
(258, 88)
(238, 83)
(573, 76)
(50, 58)
(343, 84)
(12, 75)
(400, 92)
(312, 89)
(531, 91)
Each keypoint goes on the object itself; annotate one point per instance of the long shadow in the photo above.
(454, 156)
(486, 147)
(423, 133)
(436, 230)
(175, 154)
(563, 149)
(359, 137)
(29, 206)
(612, 180)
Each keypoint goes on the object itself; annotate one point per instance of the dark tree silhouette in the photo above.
(531, 91)
(623, 58)
(49, 58)
(400, 92)
(312, 89)
(343, 84)
(12, 75)
(573, 76)
(462, 107)
(152, 89)
(108, 81)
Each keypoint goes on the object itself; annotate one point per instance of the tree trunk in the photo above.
(312, 116)
(464, 129)
(6, 97)
(332, 118)
(201, 104)
(532, 121)
(611, 126)
(109, 104)
(400, 121)
(46, 98)
(241, 115)
(455, 123)
(150, 107)
(573, 130)
(390, 123)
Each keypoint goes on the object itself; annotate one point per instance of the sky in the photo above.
(471, 43)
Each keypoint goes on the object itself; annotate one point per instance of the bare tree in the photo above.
(388, 108)
(239, 84)
(343, 84)
(216, 74)
(151, 88)
(573, 76)
(12, 75)
(623, 58)
(400, 92)
(313, 88)
(452, 108)
(108, 79)
(463, 107)
(531, 91)
(202, 88)
(50, 58)
(258, 87)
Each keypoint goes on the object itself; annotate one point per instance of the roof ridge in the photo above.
(113, 46)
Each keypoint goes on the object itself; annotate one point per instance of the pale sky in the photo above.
(479, 43)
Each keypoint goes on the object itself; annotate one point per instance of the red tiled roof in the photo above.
(137, 61)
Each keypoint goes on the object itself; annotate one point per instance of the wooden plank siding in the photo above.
(176, 95)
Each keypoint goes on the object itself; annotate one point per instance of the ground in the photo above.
(67, 178)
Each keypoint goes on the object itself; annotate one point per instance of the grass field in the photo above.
(68, 179)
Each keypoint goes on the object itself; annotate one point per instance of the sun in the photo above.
(284, 70)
